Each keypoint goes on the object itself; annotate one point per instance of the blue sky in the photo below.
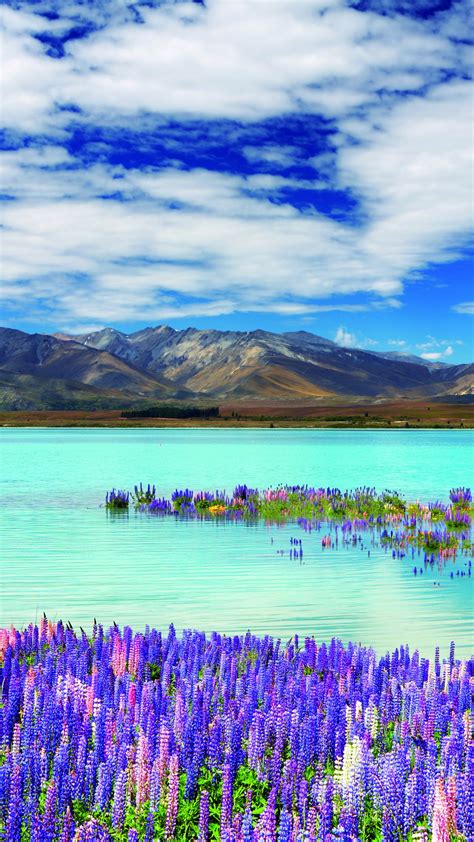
(284, 164)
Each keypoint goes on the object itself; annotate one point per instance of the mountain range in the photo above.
(108, 368)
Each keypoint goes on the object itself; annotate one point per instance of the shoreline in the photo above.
(395, 415)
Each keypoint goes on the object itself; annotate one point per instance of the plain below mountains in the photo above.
(108, 368)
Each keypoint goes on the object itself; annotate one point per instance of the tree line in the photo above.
(172, 411)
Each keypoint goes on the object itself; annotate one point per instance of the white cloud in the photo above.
(226, 241)
(344, 338)
(433, 342)
(222, 240)
(448, 351)
(437, 355)
(466, 307)
(248, 61)
(29, 78)
(282, 156)
(433, 356)
(413, 176)
(350, 340)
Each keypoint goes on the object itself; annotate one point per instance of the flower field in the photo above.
(119, 735)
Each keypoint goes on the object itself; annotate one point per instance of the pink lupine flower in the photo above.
(5, 641)
(16, 740)
(92, 690)
(172, 806)
(451, 813)
(179, 717)
(311, 824)
(134, 656)
(119, 656)
(440, 814)
(142, 770)
(163, 753)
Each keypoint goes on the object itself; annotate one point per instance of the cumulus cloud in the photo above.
(344, 338)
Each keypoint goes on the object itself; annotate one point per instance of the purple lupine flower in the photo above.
(14, 816)
(92, 831)
(49, 826)
(203, 832)
(69, 827)
(247, 826)
(150, 828)
(155, 787)
(90, 721)
(158, 506)
(461, 497)
(118, 811)
(117, 499)
(180, 497)
(284, 829)
(226, 809)
(311, 825)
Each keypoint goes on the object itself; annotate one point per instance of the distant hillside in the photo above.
(263, 364)
(25, 391)
(161, 363)
(409, 358)
(33, 366)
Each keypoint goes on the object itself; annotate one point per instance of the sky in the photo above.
(241, 164)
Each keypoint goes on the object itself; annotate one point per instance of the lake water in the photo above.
(63, 554)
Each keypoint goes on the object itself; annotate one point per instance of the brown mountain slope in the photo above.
(274, 381)
(47, 357)
(226, 364)
(27, 391)
(163, 363)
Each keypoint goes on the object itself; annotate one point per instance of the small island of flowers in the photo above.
(434, 527)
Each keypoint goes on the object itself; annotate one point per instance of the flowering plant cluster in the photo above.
(144, 496)
(117, 499)
(145, 736)
(457, 519)
(461, 498)
(360, 509)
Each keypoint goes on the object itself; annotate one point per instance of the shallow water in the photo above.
(65, 555)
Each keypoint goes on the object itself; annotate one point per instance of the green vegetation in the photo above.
(173, 411)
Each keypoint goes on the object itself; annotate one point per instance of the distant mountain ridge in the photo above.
(160, 363)
(32, 364)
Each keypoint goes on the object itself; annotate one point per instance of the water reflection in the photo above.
(229, 576)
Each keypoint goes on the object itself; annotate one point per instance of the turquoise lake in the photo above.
(63, 554)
